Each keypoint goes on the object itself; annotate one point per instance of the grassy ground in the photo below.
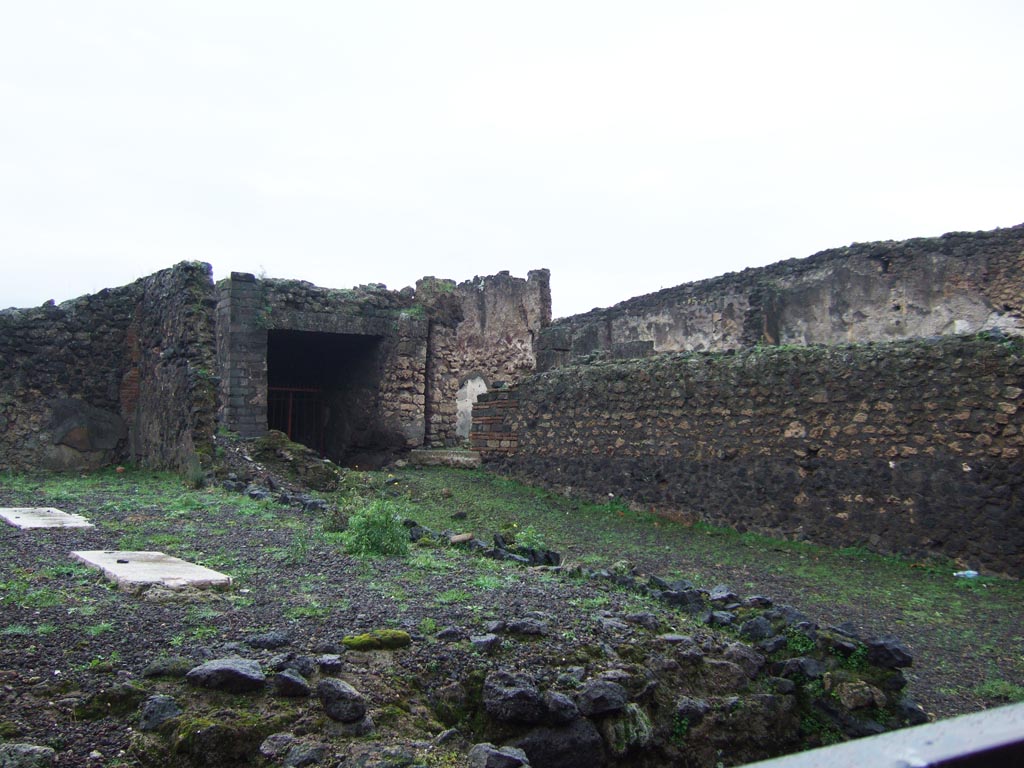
(967, 635)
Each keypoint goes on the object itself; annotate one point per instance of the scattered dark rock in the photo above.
(745, 657)
(277, 745)
(611, 623)
(601, 697)
(489, 756)
(355, 729)
(290, 684)
(231, 675)
(887, 651)
(486, 644)
(306, 753)
(773, 644)
(721, 595)
(785, 616)
(560, 708)
(268, 640)
(645, 620)
(911, 712)
(757, 628)
(802, 667)
(168, 666)
(451, 634)
(689, 600)
(330, 663)
(157, 710)
(527, 627)
(26, 756)
(257, 493)
(513, 697)
(720, 618)
(304, 665)
(692, 709)
(781, 685)
(576, 745)
(341, 701)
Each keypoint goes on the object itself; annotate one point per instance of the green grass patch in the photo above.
(450, 596)
(1000, 691)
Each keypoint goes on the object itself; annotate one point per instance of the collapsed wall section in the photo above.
(955, 284)
(912, 447)
(123, 374)
(482, 334)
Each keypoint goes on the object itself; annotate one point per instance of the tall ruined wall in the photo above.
(170, 393)
(482, 332)
(124, 374)
(912, 447)
(955, 284)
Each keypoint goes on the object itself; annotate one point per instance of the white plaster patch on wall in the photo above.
(470, 390)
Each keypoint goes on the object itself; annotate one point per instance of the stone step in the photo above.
(42, 517)
(134, 571)
(445, 457)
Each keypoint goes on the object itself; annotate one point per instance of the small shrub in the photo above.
(530, 538)
(377, 529)
(798, 642)
(680, 727)
(428, 626)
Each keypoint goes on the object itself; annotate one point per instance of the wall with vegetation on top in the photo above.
(913, 447)
(960, 283)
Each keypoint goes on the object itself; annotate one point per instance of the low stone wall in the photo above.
(123, 374)
(960, 283)
(912, 447)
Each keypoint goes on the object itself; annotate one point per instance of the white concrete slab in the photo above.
(136, 570)
(42, 517)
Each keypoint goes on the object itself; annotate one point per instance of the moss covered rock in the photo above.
(378, 639)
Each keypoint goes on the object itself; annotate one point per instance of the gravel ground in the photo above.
(67, 635)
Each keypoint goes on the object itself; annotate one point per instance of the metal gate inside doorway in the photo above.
(299, 413)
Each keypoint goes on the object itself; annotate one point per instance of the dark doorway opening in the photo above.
(323, 390)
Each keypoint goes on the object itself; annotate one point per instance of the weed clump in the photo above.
(376, 529)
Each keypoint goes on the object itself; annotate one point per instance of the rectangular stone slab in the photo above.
(136, 570)
(42, 517)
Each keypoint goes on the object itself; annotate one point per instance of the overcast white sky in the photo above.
(627, 146)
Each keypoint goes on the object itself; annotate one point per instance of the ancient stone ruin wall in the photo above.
(912, 447)
(170, 392)
(955, 284)
(124, 374)
(381, 332)
(408, 354)
(482, 333)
